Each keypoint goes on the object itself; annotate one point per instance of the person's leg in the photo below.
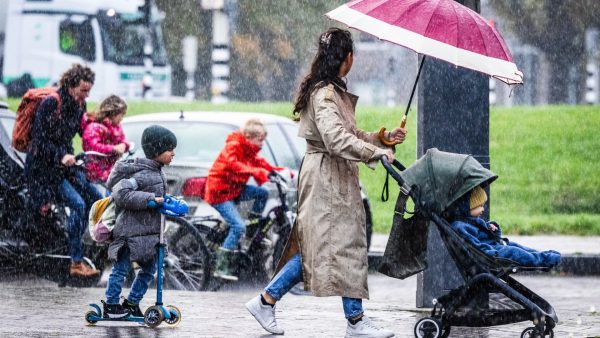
(284, 281)
(112, 308)
(352, 307)
(237, 227)
(71, 198)
(262, 307)
(258, 194)
(88, 192)
(117, 276)
(141, 282)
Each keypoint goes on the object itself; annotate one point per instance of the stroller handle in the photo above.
(391, 170)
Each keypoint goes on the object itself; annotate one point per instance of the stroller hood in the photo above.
(441, 178)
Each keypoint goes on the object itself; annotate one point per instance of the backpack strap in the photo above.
(56, 96)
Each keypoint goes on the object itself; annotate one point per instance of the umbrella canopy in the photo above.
(441, 178)
(443, 29)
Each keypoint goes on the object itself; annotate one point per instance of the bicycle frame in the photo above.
(279, 216)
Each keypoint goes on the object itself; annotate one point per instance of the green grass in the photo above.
(547, 162)
(546, 158)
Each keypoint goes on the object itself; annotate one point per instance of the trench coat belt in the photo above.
(315, 147)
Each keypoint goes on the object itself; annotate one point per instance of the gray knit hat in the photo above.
(156, 140)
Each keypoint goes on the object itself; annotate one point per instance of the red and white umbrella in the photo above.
(443, 29)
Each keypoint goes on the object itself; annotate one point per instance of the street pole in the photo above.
(219, 87)
(148, 51)
(190, 59)
(453, 116)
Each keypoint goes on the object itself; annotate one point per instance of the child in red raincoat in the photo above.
(227, 183)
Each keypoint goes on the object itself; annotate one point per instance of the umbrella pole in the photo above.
(412, 94)
(403, 123)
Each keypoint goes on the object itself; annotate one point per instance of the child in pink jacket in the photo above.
(102, 132)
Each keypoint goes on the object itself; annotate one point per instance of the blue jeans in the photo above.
(78, 194)
(229, 212)
(117, 277)
(291, 274)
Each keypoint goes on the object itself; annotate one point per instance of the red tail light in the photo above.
(194, 187)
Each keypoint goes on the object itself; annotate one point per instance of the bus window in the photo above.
(77, 39)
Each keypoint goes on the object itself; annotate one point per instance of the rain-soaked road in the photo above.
(37, 308)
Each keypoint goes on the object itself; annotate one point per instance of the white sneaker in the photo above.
(264, 314)
(366, 328)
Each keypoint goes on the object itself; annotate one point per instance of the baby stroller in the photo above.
(489, 296)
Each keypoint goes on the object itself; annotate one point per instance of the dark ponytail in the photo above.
(334, 46)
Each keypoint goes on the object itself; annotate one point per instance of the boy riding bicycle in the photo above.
(226, 184)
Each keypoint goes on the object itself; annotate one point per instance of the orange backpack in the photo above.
(21, 137)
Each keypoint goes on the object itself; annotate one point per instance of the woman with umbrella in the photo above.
(327, 249)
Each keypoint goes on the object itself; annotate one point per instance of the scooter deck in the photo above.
(122, 319)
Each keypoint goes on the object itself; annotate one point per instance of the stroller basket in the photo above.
(489, 296)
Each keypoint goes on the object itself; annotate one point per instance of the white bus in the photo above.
(43, 38)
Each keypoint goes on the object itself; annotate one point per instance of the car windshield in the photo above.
(201, 142)
(123, 40)
(196, 142)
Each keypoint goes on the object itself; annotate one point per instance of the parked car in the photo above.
(200, 138)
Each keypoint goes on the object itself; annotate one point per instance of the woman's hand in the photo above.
(390, 155)
(397, 135)
(68, 160)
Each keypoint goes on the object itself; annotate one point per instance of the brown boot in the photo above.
(81, 270)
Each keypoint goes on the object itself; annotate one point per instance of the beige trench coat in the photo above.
(330, 227)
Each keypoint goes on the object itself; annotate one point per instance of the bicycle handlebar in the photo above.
(81, 158)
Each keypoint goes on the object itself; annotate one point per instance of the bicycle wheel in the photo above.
(187, 265)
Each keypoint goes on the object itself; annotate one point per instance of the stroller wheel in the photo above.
(429, 327)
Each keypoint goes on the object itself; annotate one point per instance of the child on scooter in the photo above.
(138, 190)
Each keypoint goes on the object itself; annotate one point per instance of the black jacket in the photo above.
(51, 139)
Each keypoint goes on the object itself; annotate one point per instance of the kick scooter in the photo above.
(157, 313)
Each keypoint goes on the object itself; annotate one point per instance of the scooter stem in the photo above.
(160, 258)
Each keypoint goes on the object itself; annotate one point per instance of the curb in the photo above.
(570, 264)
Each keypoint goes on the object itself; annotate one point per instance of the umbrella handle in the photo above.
(382, 134)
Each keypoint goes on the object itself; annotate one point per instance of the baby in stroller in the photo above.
(465, 215)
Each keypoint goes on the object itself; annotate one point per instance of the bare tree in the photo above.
(557, 28)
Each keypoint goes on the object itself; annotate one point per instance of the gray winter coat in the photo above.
(133, 183)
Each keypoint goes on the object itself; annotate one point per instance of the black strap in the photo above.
(385, 192)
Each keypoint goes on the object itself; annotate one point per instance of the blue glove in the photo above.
(172, 206)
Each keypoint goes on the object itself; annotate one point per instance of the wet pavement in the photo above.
(34, 307)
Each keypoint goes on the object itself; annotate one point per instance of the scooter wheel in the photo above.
(88, 317)
(175, 316)
(153, 316)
